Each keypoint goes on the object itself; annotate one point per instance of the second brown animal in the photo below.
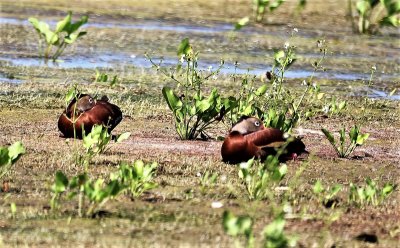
(249, 138)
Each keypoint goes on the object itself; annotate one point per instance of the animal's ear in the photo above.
(104, 98)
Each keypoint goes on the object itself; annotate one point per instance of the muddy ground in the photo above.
(178, 213)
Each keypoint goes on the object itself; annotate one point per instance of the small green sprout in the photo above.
(356, 139)
(326, 195)
(260, 178)
(137, 177)
(370, 194)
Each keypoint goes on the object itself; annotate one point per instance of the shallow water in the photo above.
(117, 60)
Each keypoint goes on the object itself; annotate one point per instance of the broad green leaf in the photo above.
(354, 133)
(363, 6)
(318, 188)
(361, 138)
(342, 105)
(184, 47)
(61, 24)
(328, 135)
(261, 90)
(173, 101)
(4, 157)
(51, 37)
(278, 56)
(387, 190)
(61, 182)
(242, 22)
(15, 151)
(73, 37)
(123, 136)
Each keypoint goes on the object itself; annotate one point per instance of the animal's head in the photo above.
(85, 103)
(247, 125)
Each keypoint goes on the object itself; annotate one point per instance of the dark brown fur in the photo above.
(239, 147)
(101, 113)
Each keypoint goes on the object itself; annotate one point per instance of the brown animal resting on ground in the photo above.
(87, 112)
(249, 138)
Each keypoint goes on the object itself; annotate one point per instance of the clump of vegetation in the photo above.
(137, 177)
(326, 195)
(370, 194)
(96, 192)
(9, 156)
(373, 14)
(261, 6)
(273, 233)
(207, 180)
(105, 79)
(260, 178)
(238, 226)
(274, 236)
(272, 102)
(356, 139)
(193, 112)
(97, 142)
(65, 33)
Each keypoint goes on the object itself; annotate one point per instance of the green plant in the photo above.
(356, 139)
(259, 178)
(64, 34)
(274, 236)
(261, 6)
(97, 141)
(207, 179)
(106, 79)
(334, 107)
(137, 177)
(95, 191)
(370, 194)
(9, 156)
(373, 14)
(13, 209)
(238, 225)
(326, 195)
(193, 112)
(247, 100)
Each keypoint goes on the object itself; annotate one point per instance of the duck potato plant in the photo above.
(373, 14)
(193, 111)
(9, 156)
(356, 139)
(96, 192)
(65, 33)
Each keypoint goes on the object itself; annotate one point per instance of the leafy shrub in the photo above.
(370, 194)
(373, 14)
(64, 34)
(95, 191)
(260, 178)
(356, 139)
(97, 141)
(193, 112)
(247, 101)
(9, 156)
(137, 177)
